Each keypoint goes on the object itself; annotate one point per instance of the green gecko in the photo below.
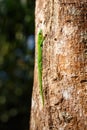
(39, 61)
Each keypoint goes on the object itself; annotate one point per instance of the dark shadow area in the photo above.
(16, 63)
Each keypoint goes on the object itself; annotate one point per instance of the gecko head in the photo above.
(40, 32)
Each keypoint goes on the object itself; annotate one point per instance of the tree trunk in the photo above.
(64, 73)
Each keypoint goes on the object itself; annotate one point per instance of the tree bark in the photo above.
(64, 73)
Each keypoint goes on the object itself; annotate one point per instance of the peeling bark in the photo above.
(64, 23)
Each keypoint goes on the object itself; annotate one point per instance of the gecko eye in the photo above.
(41, 45)
(40, 32)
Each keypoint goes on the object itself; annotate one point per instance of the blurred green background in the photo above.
(16, 63)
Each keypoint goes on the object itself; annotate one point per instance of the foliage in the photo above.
(16, 60)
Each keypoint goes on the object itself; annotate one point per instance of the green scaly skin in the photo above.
(39, 48)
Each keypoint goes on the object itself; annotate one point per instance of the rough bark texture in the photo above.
(64, 24)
